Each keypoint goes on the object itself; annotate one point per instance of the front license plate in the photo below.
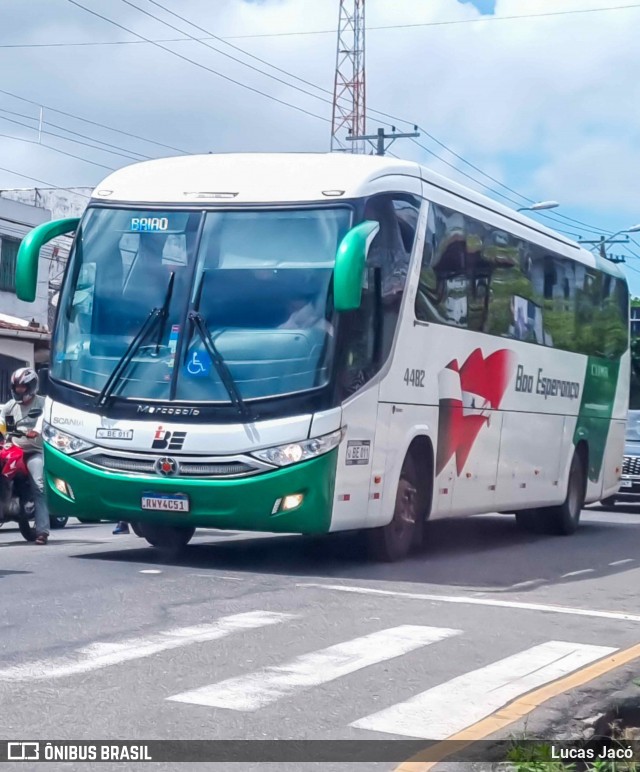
(165, 502)
(626, 484)
(114, 434)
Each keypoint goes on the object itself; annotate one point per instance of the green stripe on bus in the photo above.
(596, 409)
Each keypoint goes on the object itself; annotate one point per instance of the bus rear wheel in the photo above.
(564, 519)
(170, 539)
(394, 541)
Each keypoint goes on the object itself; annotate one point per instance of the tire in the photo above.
(135, 527)
(26, 529)
(169, 539)
(58, 522)
(609, 502)
(395, 540)
(562, 520)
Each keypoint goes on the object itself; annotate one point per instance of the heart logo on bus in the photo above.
(468, 394)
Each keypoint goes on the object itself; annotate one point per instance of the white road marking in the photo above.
(450, 707)
(577, 573)
(463, 599)
(101, 655)
(216, 577)
(528, 583)
(150, 571)
(254, 690)
(621, 562)
(609, 518)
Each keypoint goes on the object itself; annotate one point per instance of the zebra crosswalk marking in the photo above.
(454, 705)
(104, 654)
(255, 690)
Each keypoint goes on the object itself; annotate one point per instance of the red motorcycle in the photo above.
(16, 499)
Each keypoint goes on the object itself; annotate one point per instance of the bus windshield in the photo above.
(251, 286)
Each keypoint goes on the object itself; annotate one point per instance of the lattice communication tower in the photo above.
(349, 98)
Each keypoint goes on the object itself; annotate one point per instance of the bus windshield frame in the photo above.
(256, 280)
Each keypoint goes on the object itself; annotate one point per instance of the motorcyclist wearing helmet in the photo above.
(25, 397)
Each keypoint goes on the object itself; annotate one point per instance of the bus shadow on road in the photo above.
(6, 572)
(487, 553)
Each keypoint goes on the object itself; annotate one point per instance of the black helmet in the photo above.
(25, 379)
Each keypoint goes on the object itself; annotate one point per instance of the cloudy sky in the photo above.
(547, 104)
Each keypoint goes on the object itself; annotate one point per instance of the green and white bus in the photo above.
(313, 343)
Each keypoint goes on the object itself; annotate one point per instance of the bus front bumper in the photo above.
(240, 504)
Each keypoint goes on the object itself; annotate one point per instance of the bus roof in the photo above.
(259, 178)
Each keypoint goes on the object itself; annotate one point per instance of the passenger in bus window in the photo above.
(306, 312)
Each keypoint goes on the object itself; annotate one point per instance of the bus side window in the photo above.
(442, 295)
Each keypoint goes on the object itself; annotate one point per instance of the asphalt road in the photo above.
(262, 637)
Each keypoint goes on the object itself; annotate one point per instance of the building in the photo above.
(60, 203)
(16, 220)
(24, 334)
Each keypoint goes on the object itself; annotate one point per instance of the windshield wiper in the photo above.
(195, 317)
(155, 315)
(197, 321)
(164, 312)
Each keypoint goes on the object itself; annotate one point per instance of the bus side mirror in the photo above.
(351, 258)
(29, 254)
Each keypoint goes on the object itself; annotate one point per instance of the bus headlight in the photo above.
(294, 452)
(66, 443)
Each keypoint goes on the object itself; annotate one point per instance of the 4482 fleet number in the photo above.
(414, 378)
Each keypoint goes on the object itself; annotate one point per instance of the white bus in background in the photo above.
(311, 343)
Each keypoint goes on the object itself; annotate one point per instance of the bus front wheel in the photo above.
(394, 541)
(170, 539)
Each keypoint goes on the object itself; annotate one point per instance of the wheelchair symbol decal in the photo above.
(199, 364)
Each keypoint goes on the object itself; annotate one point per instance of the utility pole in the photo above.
(380, 138)
(603, 252)
(349, 97)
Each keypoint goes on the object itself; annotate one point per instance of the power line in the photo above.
(87, 120)
(229, 56)
(198, 64)
(42, 182)
(60, 136)
(55, 149)
(552, 218)
(528, 200)
(448, 22)
(130, 153)
(299, 33)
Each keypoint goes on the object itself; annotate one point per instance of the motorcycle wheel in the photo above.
(58, 522)
(26, 529)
